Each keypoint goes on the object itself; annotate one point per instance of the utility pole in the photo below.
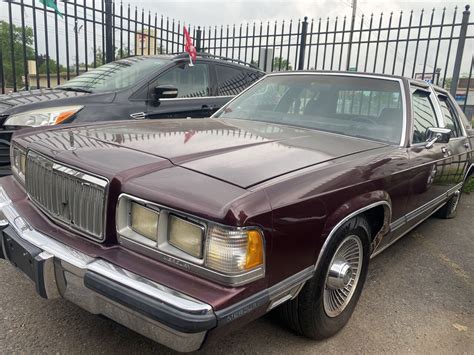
(354, 12)
(109, 47)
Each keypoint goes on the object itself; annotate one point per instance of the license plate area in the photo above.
(25, 257)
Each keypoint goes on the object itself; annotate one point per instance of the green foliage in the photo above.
(6, 48)
(469, 187)
(281, 64)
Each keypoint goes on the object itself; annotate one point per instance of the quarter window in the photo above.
(190, 81)
(424, 116)
(450, 116)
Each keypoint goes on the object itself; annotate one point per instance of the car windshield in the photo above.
(116, 75)
(369, 108)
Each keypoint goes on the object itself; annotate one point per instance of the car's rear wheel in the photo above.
(328, 300)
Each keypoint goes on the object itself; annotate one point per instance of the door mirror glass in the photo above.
(437, 135)
(165, 92)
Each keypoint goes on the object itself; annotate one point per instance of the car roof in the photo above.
(203, 56)
(365, 74)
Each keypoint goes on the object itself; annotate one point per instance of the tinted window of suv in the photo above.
(231, 81)
(190, 81)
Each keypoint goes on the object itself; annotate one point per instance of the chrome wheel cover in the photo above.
(343, 276)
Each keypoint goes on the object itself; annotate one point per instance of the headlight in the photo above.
(186, 236)
(18, 161)
(228, 254)
(144, 221)
(42, 117)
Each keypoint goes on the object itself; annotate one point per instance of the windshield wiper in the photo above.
(74, 89)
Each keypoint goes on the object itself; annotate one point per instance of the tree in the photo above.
(6, 47)
(281, 64)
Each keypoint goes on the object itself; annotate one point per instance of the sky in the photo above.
(221, 12)
(217, 12)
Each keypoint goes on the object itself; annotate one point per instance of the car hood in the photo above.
(243, 153)
(23, 101)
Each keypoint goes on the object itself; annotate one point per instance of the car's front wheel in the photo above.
(327, 301)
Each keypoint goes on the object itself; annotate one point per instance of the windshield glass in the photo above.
(116, 75)
(350, 105)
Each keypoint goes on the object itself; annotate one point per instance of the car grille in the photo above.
(5, 137)
(70, 196)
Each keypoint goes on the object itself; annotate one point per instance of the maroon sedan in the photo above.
(184, 229)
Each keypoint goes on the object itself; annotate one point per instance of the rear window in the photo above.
(116, 75)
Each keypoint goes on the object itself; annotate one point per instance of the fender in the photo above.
(353, 208)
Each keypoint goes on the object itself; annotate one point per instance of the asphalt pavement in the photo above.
(418, 298)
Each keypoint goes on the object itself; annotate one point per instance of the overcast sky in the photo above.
(217, 12)
(221, 12)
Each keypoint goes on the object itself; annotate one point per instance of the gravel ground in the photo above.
(418, 298)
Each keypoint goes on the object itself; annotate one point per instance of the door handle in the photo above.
(445, 152)
(207, 107)
(466, 145)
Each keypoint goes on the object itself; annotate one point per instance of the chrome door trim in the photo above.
(197, 98)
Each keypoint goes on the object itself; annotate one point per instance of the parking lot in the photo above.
(418, 298)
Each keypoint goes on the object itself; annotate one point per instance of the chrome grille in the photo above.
(68, 195)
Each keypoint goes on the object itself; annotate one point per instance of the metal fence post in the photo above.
(198, 39)
(2, 78)
(304, 32)
(460, 51)
(109, 46)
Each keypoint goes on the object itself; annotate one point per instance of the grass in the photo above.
(469, 187)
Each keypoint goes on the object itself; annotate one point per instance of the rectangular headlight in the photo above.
(234, 251)
(186, 236)
(144, 221)
(18, 161)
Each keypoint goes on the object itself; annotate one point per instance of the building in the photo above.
(146, 43)
(461, 93)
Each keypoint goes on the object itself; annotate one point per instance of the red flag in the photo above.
(188, 135)
(188, 46)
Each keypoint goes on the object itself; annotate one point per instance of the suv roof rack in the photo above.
(213, 56)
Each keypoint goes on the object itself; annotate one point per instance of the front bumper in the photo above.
(153, 310)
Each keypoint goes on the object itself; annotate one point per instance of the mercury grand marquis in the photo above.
(183, 230)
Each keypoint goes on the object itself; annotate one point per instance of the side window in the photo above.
(451, 120)
(253, 76)
(231, 81)
(424, 116)
(190, 81)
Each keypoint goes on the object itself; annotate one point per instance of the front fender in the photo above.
(352, 208)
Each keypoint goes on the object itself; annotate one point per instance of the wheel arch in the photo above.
(376, 205)
(470, 172)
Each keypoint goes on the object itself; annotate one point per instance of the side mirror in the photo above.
(165, 92)
(437, 135)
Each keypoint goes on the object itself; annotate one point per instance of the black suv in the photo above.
(164, 86)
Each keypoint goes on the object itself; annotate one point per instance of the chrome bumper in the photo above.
(153, 310)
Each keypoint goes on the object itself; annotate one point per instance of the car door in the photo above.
(430, 167)
(458, 146)
(194, 85)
